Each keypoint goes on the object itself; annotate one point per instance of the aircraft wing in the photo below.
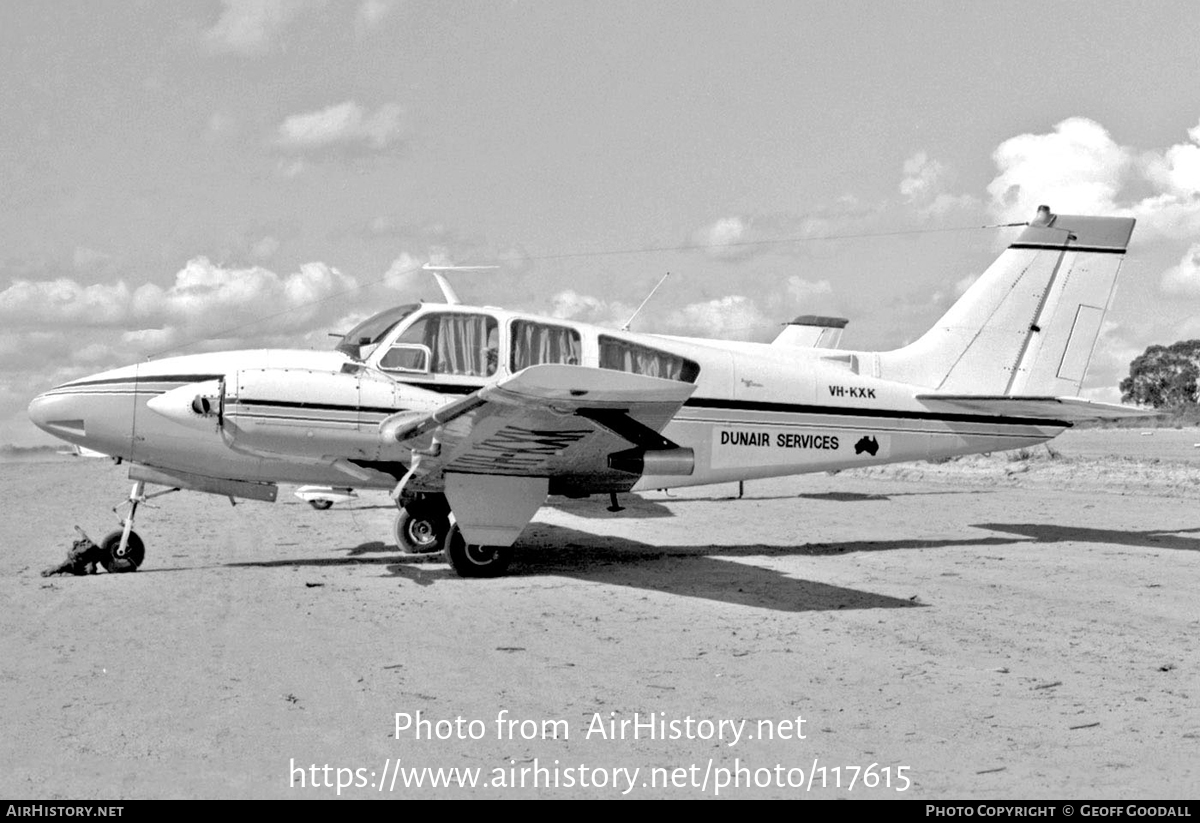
(554, 421)
(1066, 409)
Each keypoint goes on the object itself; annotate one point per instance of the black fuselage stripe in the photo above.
(743, 405)
(890, 414)
(287, 404)
(182, 379)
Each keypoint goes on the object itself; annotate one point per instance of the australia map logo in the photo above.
(867, 444)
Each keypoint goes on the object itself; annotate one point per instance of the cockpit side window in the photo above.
(620, 355)
(464, 344)
(372, 330)
(535, 343)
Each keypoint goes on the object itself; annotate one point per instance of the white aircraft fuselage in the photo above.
(757, 411)
(486, 411)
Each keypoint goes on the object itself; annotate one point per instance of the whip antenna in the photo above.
(625, 327)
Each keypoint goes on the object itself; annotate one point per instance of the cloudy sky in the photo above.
(182, 176)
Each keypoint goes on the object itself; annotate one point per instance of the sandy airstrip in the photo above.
(999, 627)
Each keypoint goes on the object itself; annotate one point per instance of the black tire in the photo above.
(472, 560)
(321, 505)
(113, 561)
(420, 534)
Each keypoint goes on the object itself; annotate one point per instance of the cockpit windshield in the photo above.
(370, 331)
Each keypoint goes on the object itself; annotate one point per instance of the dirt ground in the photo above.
(1020, 625)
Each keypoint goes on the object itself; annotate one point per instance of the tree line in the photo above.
(1164, 377)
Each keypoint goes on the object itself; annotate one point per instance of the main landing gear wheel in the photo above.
(321, 505)
(474, 560)
(420, 533)
(115, 560)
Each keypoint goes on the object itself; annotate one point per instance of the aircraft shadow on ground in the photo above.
(1054, 533)
(705, 571)
(834, 497)
(687, 571)
(637, 506)
(597, 507)
(690, 571)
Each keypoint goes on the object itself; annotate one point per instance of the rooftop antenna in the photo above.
(625, 326)
(444, 284)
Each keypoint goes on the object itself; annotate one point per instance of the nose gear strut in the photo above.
(123, 549)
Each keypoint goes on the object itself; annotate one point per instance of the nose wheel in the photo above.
(123, 550)
(122, 555)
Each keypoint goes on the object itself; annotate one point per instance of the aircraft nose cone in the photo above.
(59, 415)
(37, 411)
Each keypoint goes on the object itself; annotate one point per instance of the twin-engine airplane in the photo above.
(472, 416)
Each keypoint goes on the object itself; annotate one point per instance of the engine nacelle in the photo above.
(676, 462)
(315, 414)
(300, 413)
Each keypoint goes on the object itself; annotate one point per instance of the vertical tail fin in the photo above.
(1027, 326)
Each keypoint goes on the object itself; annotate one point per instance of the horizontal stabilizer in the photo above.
(812, 331)
(1067, 409)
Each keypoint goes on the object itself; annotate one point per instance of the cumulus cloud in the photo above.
(1174, 210)
(922, 187)
(736, 238)
(252, 27)
(63, 301)
(727, 238)
(206, 297)
(571, 305)
(401, 274)
(1079, 168)
(1184, 277)
(731, 317)
(203, 299)
(1177, 170)
(921, 175)
(344, 125)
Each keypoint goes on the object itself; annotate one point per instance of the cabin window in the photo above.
(536, 343)
(465, 344)
(619, 355)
